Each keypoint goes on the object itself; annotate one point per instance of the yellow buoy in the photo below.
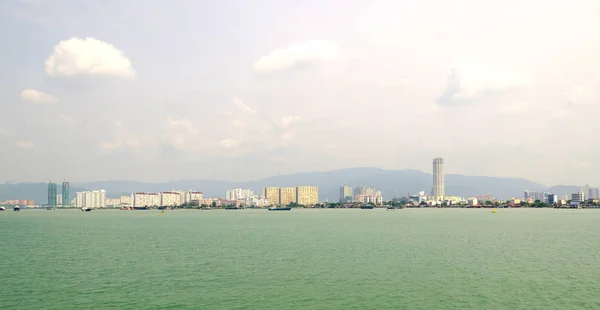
(494, 211)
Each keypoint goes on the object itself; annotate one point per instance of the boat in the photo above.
(366, 207)
(141, 208)
(232, 208)
(391, 208)
(50, 208)
(88, 209)
(2, 208)
(280, 208)
(16, 208)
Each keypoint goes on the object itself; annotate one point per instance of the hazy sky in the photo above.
(161, 90)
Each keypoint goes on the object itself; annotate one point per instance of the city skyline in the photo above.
(294, 99)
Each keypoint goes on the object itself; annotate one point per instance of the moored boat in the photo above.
(280, 209)
(2, 208)
(16, 208)
(366, 207)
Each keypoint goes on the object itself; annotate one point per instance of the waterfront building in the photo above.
(58, 199)
(125, 201)
(577, 198)
(238, 193)
(66, 194)
(192, 196)
(552, 199)
(345, 194)
(112, 202)
(438, 179)
(170, 199)
(91, 199)
(257, 201)
(287, 195)
(52, 194)
(307, 195)
(271, 193)
(146, 200)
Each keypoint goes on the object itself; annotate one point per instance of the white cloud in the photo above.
(287, 121)
(68, 119)
(88, 56)
(229, 143)
(242, 106)
(38, 97)
(296, 55)
(186, 124)
(24, 145)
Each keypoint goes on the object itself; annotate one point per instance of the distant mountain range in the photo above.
(390, 182)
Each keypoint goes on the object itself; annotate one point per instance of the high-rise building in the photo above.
(307, 195)
(552, 199)
(59, 199)
(91, 199)
(52, 194)
(66, 194)
(287, 195)
(345, 194)
(146, 200)
(238, 193)
(170, 199)
(272, 193)
(592, 193)
(438, 178)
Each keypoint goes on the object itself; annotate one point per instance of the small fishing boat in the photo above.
(16, 208)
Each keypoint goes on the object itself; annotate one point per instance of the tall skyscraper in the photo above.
(438, 178)
(52, 194)
(345, 194)
(66, 201)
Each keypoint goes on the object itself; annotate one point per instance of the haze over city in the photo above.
(240, 90)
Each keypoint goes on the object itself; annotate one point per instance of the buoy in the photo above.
(494, 211)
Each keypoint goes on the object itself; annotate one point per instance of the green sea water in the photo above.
(302, 259)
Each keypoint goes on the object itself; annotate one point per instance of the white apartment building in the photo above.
(112, 202)
(193, 196)
(125, 201)
(91, 199)
(171, 199)
(258, 201)
(238, 193)
(146, 199)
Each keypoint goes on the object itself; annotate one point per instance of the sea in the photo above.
(300, 259)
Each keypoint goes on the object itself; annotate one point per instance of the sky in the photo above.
(239, 90)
